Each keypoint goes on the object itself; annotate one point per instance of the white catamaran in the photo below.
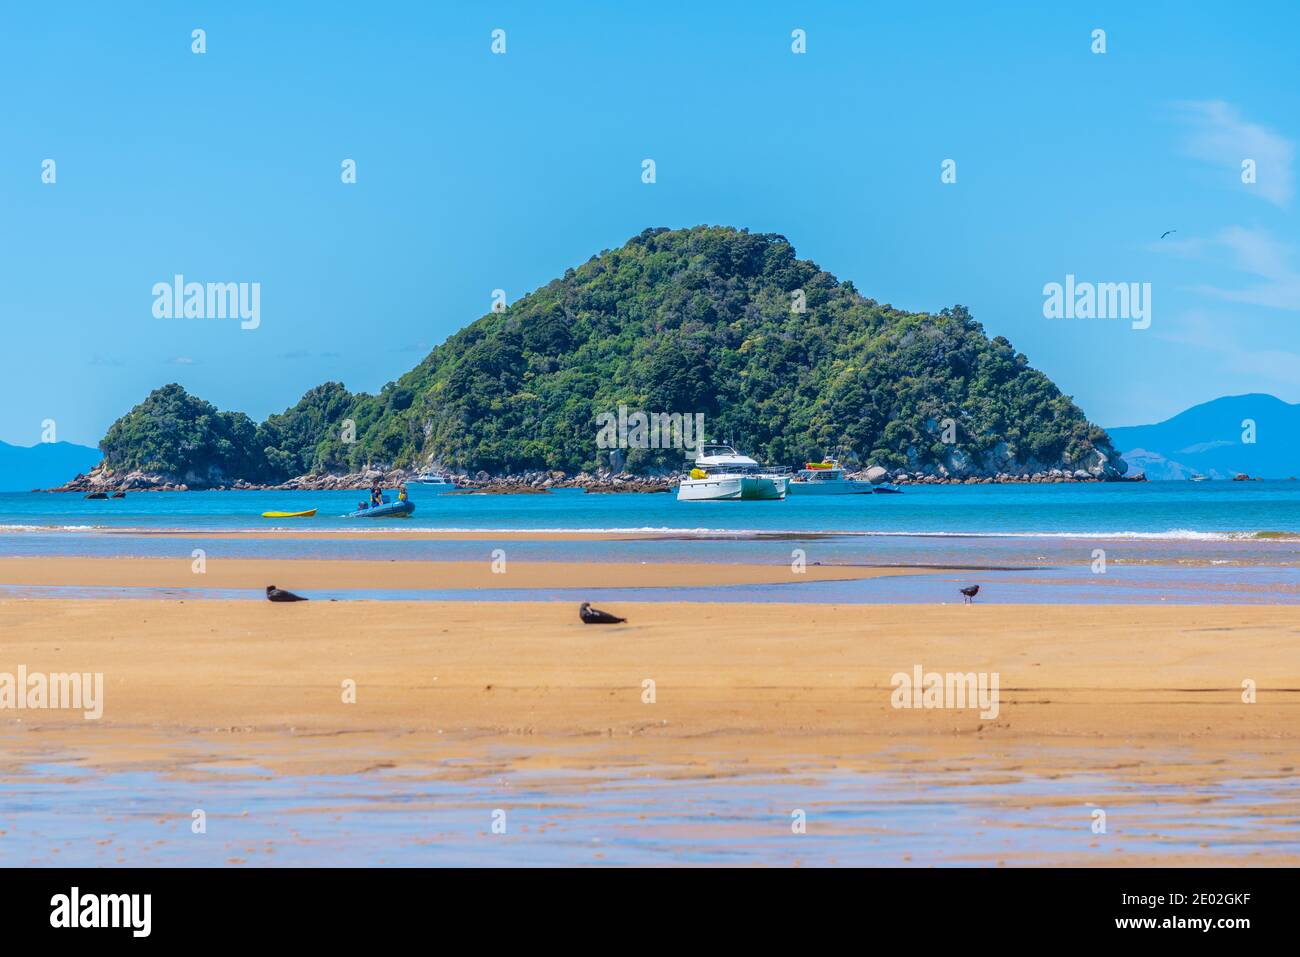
(722, 474)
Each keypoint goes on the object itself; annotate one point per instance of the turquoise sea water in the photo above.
(1174, 541)
(1153, 509)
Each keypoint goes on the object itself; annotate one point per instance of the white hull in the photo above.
(731, 488)
(845, 487)
(430, 486)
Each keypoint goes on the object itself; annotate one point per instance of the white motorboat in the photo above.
(722, 474)
(826, 478)
(433, 482)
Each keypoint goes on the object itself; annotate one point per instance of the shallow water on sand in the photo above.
(1171, 542)
(764, 548)
(63, 814)
(1138, 585)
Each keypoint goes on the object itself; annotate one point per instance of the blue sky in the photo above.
(479, 171)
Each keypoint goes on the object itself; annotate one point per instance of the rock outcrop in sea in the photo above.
(103, 479)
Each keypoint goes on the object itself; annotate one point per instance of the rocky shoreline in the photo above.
(102, 479)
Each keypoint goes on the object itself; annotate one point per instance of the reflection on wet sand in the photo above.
(694, 733)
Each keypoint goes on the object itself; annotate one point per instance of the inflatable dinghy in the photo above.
(394, 510)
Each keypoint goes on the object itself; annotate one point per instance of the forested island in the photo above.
(782, 358)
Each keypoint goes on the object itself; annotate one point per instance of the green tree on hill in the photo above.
(690, 320)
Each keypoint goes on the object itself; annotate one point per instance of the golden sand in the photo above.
(1116, 700)
(771, 672)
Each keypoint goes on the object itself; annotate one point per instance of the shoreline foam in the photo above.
(651, 532)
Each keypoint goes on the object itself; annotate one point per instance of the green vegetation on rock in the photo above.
(174, 433)
(692, 320)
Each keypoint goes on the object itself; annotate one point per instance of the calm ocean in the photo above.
(1160, 542)
(1172, 510)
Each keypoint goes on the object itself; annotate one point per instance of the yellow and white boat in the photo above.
(826, 478)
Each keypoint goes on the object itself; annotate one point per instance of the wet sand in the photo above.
(303, 574)
(953, 801)
(1137, 709)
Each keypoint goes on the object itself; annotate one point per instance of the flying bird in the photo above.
(1167, 232)
(970, 591)
(279, 594)
(594, 616)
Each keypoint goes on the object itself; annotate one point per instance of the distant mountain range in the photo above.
(1212, 439)
(44, 465)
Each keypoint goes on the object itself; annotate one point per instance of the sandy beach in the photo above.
(741, 705)
(775, 672)
(1144, 698)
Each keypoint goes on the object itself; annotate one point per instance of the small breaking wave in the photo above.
(51, 528)
(1173, 534)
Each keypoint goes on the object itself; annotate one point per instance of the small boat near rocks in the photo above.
(826, 478)
(433, 482)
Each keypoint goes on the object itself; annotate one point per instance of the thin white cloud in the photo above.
(1212, 333)
(1222, 136)
(1252, 252)
(1258, 254)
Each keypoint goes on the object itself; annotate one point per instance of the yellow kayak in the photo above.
(307, 514)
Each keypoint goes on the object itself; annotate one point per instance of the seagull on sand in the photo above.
(279, 594)
(970, 591)
(594, 616)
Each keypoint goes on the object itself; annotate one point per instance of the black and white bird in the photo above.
(279, 594)
(594, 616)
(970, 591)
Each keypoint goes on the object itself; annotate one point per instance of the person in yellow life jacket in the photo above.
(401, 492)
